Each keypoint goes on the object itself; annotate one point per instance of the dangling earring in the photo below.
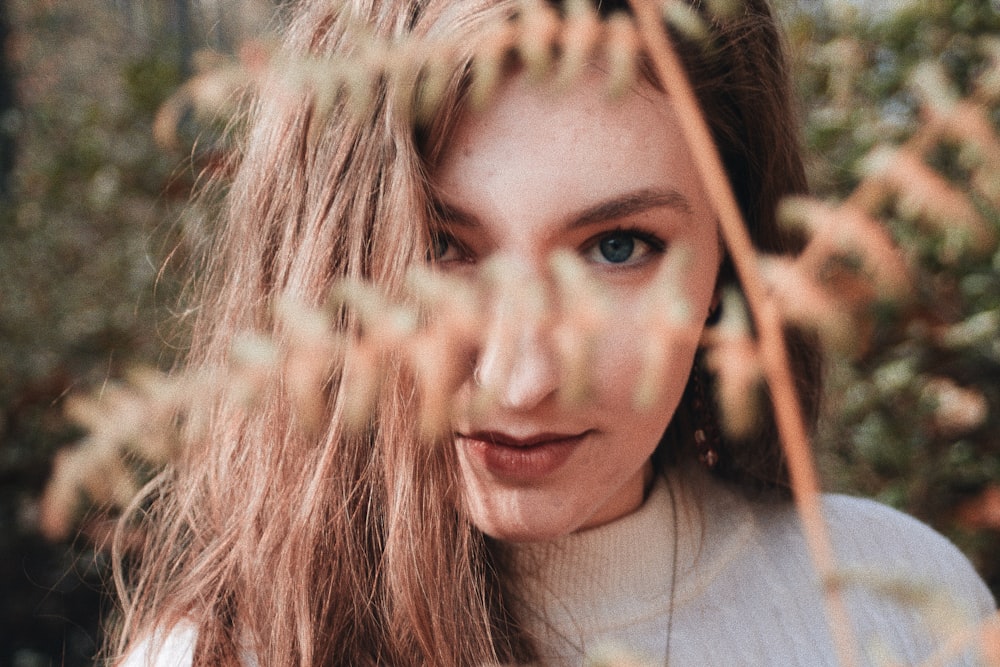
(706, 433)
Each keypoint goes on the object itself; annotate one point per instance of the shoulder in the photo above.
(866, 532)
(907, 589)
(866, 528)
(882, 549)
(169, 648)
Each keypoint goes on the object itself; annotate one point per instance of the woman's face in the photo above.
(613, 182)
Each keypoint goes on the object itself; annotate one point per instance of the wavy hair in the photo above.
(350, 546)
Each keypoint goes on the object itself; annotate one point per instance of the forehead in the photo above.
(523, 109)
(532, 149)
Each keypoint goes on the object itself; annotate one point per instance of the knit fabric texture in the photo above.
(742, 590)
(745, 591)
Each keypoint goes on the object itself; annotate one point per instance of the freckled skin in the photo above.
(521, 171)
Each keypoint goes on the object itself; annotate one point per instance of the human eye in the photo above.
(446, 249)
(623, 247)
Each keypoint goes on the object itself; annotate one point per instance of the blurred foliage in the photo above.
(83, 297)
(914, 408)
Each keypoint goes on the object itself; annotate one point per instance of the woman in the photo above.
(545, 527)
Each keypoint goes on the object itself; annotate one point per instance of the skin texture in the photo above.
(613, 182)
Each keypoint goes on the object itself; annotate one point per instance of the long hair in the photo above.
(349, 546)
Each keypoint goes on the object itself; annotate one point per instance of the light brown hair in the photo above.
(347, 546)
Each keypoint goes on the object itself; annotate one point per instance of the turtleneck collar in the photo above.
(590, 583)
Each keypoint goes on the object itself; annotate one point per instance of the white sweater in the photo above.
(744, 589)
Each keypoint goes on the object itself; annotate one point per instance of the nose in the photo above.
(521, 373)
(517, 366)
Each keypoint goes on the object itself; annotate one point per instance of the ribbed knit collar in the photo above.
(617, 574)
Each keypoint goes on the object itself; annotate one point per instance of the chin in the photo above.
(530, 526)
(523, 534)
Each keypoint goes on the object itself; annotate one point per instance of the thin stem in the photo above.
(767, 317)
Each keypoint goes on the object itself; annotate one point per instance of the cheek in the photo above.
(642, 373)
(642, 365)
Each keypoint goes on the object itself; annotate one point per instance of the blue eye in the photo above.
(617, 248)
(623, 248)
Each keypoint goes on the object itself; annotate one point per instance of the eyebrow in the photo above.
(631, 203)
(621, 206)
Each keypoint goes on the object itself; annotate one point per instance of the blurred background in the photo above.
(93, 226)
(95, 232)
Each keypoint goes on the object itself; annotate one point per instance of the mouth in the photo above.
(521, 459)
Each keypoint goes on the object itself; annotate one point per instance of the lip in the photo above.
(521, 459)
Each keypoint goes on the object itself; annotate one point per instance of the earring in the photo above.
(706, 433)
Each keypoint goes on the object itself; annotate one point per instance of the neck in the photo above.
(587, 585)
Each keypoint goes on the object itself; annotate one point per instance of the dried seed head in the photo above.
(844, 58)
(979, 329)
(584, 311)
(386, 324)
(487, 65)
(539, 29)
(614, 656)
(988, 81)
(723, 9)
(622, 53)
(933, 88)
(360, 385)
(925, 196)
(894, 376)
(581, 34)
(311, 349)
(253, 359)
(359, 79)
(686, 21)
(436, 364)
(732, 357)
(431, 84)
(806, 303)
(653, 375)
(453, 304)
(210, 95)
(957, 410)
(665, 316)
(848, 232)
